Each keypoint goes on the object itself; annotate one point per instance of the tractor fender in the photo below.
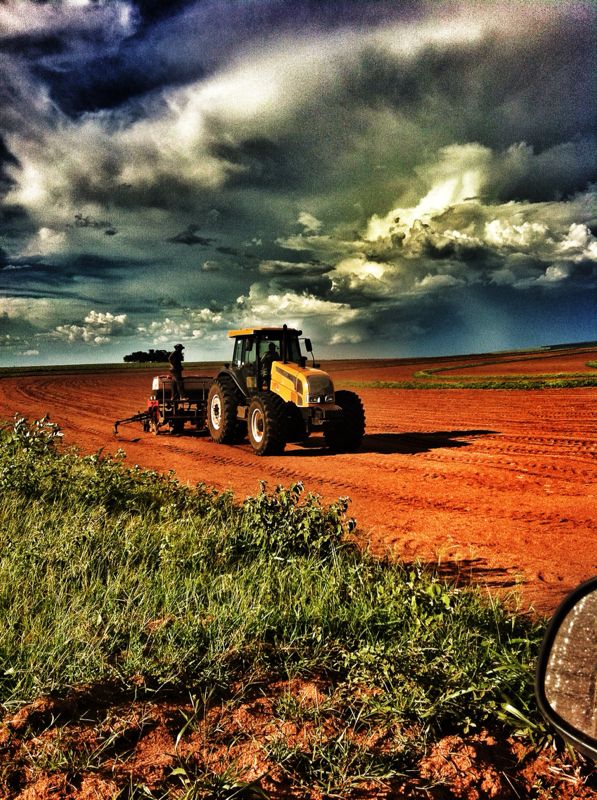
(228, 373)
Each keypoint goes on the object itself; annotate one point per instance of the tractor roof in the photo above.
(263, 329)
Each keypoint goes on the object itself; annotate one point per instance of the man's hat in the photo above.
(179, 346)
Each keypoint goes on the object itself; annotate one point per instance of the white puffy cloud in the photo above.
(524, 237)
(34, 310)
(360, 276)
(194, 324)
(319, 318)
(161, 331)
(309, 222)
(578, 244)
(554, 274)
(97, 328)
(452, 225)
(459, 174)
(437, 282)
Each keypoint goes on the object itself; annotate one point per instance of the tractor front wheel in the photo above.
(221, 412)
(344, 433)
(266, 424)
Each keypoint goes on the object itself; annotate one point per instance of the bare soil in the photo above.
(495, 486)
(95, 745)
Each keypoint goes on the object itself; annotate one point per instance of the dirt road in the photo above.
(497, 486)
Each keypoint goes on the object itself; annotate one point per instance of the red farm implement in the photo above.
(165, 412)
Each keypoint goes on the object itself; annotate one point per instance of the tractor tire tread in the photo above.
(273, 409)
(226, 433)
(344, 434)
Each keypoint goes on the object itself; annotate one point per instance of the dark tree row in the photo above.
(147, 356)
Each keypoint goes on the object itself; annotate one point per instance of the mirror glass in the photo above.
(571, 673)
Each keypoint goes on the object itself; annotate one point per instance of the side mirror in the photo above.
(566, 682)
(308, 346)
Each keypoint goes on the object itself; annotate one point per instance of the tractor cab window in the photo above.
(272, 343)
(249, 354)
(294, 350)
(269, 349)
(244, 360)
(237, 355)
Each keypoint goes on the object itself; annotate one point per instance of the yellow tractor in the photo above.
(270, 394)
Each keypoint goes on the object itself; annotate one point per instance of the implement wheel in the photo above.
(345, 433)
(266, 424)
(221, 412)
(176, 426)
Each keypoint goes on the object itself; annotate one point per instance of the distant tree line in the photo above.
(147, 356)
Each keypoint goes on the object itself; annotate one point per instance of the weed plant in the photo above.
(112, 573)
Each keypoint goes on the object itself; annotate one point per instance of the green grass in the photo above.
(520, 382)
(425, 379)
(119, 575)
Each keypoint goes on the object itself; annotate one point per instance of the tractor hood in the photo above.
(301, 385)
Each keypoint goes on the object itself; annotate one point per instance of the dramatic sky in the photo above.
(396, 178)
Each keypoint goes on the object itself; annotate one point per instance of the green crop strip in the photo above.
(523, 382)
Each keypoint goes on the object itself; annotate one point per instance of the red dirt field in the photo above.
(495, 486)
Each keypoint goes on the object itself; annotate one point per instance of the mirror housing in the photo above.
(308, 346)
(566, 680)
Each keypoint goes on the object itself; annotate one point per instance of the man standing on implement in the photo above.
(175, 360)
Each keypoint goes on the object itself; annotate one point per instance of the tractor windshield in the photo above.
(254, 355)
(293, 351)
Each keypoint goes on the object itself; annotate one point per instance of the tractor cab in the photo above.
(256, 350)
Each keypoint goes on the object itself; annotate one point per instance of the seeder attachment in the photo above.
(143, 416)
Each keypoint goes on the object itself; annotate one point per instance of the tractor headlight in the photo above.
(320, 389)
(320, 398)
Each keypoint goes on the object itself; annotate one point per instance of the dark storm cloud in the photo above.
(257, 161)
(477, 95)
(190, 237)
(528, 86)
(204, 33)
(284, 276)
(6, 159)
(228, 251)
(308, 270)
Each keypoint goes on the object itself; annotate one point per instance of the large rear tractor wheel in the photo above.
(266, 424)
(222, 403)
(344, 433)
